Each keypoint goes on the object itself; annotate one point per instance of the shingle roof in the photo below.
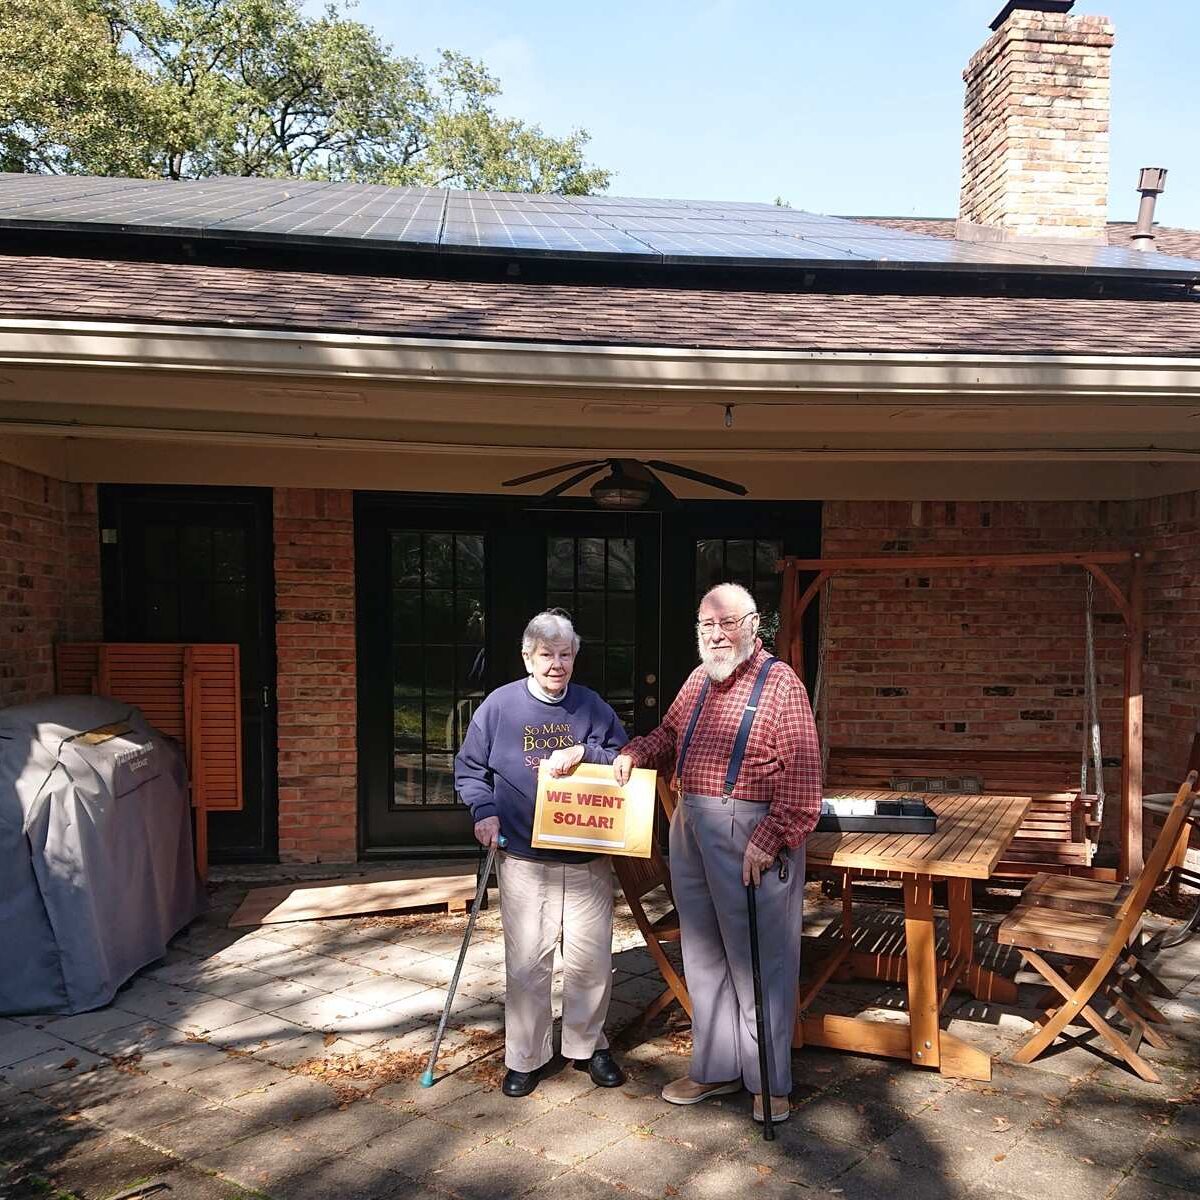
(81, 288)
(1168, 238)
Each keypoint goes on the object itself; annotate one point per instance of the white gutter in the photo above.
(348, 356)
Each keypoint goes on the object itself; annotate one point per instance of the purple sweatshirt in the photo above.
(496, 771)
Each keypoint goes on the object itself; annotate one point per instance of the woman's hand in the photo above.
(563, 762)
(622, 769)
(487, 832)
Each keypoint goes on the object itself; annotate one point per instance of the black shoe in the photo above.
(603, 1069)
(520, 1083)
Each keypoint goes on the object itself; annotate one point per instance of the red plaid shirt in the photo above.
(782, 766)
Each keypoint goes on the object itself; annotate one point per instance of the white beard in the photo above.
(719, 670)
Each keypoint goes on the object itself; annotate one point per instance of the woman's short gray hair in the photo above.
(549, 628)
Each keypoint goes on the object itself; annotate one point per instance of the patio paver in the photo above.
(222, 1105)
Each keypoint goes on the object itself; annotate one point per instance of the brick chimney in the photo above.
(1035, 137)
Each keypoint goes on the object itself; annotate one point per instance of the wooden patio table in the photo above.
(973, 832)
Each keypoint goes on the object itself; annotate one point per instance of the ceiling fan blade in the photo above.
(660, 493)
(520, 479)
(715, 481)
(578, 477)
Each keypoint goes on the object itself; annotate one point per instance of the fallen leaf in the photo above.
(329, 1039)
(71, 1062)
(1002, 1124)
(763, 1169)
(1091, 1162)
(999, 1157)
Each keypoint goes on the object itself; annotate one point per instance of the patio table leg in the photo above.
(929, 1044)
(983, 984)
(922, 970)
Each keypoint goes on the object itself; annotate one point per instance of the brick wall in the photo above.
(931, 659)
(1036, 127)
(954, 660)
(314, 599)
(1170, 526)
(49, 577)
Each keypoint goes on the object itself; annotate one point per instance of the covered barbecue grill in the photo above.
(96, 864)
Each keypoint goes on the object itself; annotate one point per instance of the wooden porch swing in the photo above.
(1062, 829)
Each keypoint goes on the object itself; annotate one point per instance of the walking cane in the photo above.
(764, 1066)
(427, 1078)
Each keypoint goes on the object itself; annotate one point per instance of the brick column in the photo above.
(316, 694)
(49, 577)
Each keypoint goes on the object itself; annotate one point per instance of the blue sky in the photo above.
(840, 106)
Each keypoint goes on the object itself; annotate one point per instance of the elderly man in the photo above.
(748, 802)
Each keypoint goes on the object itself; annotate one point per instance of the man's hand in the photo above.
(622, 769)
(754, 864)
(563, 762)
(487, 832)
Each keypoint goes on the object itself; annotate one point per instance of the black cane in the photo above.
(427, 1079)
(764, 1065)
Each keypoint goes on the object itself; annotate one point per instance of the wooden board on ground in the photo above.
(377, 892)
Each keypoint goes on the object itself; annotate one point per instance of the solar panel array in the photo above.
(533, 225)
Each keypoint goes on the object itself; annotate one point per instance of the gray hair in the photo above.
(731, 591)
(549, 627)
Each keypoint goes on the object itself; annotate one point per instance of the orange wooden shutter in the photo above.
(154, 676)
(216, 669)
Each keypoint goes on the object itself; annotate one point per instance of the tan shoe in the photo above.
(688, 1091)
(781, 1109)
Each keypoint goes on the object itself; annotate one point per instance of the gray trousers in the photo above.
(543, 904)
(708, 841)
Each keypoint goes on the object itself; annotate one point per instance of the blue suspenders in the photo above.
(743, 733)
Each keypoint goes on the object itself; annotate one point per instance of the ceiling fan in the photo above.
(630, 483)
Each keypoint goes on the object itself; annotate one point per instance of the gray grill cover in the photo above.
(96, 864)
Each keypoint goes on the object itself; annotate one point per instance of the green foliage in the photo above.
(191, 88)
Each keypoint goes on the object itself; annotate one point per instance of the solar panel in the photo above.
(701, 232)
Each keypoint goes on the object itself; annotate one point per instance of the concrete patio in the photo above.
(283, 1062)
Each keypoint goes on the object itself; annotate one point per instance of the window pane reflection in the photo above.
(595, 580)
(438, 624)
(750, 562)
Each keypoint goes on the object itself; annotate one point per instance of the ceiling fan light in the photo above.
(620, 493)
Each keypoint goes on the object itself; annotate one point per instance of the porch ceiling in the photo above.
(945, 429)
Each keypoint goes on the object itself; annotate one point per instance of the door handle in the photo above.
(266, 697)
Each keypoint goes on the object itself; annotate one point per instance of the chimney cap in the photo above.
(1050, 6)
(1153, 180)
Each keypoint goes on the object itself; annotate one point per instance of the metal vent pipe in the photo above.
(1152, 182)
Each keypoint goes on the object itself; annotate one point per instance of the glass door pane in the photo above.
(438, 624)
(750, 562)
(595, 580)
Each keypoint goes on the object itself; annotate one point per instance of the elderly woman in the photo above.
(545, 895)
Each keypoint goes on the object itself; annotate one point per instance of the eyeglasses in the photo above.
(727, 624)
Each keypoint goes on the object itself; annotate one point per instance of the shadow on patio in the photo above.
(284, 1062)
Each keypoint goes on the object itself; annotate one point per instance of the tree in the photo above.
(190, 88)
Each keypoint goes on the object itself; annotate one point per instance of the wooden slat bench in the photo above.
(1056, 835)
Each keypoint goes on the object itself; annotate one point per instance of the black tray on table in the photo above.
(908, 814)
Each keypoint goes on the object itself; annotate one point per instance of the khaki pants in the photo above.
(541, 904)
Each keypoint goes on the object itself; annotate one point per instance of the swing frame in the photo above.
(1130, 603)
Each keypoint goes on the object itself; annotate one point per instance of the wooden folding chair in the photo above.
(639, 877)
(1099, 946)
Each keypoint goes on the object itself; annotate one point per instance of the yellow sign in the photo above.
(587, 811)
